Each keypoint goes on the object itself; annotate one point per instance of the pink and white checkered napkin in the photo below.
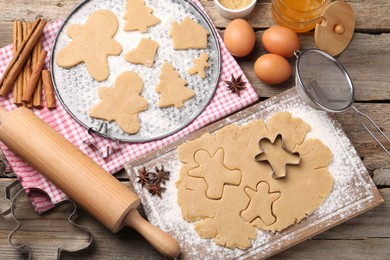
(222, 104)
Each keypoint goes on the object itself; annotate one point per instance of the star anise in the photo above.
(143, 176)
(161, 176)
(235, 85)
(155, 189)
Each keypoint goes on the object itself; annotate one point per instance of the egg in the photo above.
(239, 38)
(272, 69)
(280, 40)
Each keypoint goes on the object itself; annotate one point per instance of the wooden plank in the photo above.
(53, 231)
(261, 16)
(356, 234)
(373, 156)
(367, 69)
(372, 248)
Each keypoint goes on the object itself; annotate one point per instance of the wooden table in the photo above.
(367, 60)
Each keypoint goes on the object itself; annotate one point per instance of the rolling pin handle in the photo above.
(161, 241)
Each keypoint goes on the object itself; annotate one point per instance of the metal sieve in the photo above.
(323, 83)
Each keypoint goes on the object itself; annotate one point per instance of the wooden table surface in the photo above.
(367, 60)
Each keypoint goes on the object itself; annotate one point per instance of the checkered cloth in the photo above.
(222, 104)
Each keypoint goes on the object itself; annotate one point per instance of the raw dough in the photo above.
(122, 103)
(285, 202)
(200, 64)
(214, 172)
(172, 88)
(188, 35)
(138, 16)
(144, 53)
(92, 43)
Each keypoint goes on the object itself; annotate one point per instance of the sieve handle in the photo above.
(360, 114)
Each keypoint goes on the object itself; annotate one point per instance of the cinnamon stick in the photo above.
(24, 70)
(27, 66)
(15, 47)
(19, 81)
(31, 67)
(48, 89)
(36, 73)
(21, 56)
(37, 97)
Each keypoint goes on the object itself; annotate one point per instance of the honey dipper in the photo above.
(83, 180)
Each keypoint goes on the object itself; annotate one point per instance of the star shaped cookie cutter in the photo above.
(26, 247)
(262, 156)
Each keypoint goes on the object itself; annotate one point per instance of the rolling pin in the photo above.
(83, 180)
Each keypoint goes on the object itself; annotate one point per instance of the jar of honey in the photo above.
(299, 15)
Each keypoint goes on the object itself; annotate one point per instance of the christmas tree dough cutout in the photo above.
(122, 103)
(172, 88)
(138, 16)
(144, 53)
(214, 172)
(92, 43)
(188, 35)
(200, 64)
(260, 205)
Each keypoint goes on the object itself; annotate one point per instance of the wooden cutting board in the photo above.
(353, 191)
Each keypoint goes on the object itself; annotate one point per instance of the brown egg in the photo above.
(239, 38)
(272, 69)
(280, 40)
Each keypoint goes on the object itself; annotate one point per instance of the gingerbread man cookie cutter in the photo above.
(262, 156)
(26, 247)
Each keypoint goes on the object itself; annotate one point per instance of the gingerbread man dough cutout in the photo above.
(214, 172)
(260, 205)
(200, 64)
(138, 16)
(92, 43)
(122, 103)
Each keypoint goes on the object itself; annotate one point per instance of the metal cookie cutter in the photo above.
(7, 190)
(105, 151)
(26, 247)
(263, 156)
(5, 169)
(7, 196)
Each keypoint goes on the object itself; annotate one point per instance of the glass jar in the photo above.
(299, 15)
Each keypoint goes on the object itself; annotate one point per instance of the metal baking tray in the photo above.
(78, 92)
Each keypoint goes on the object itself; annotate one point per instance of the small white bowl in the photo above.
(234, 13)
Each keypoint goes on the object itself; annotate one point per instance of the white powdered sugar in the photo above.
(351, 192)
